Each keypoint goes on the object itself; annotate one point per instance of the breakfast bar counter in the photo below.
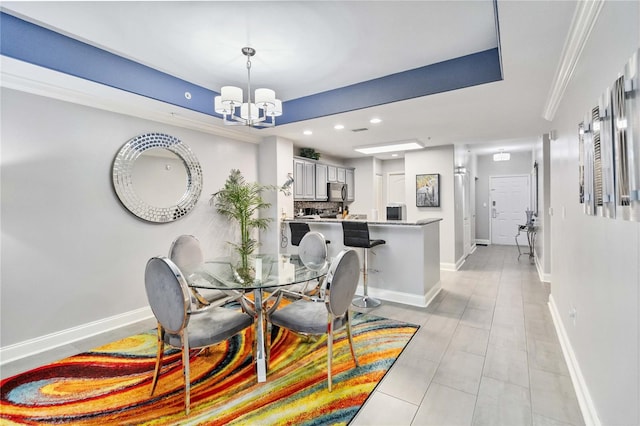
(405, 270)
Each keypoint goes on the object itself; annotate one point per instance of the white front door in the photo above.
(510, 197)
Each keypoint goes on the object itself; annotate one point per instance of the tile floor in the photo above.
(486, 353)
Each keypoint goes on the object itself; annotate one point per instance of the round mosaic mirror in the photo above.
(157, 177)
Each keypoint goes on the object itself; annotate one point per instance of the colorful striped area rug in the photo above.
(111, 384)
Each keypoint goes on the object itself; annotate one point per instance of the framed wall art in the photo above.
(428, 190)
(606, 155)
(609, 149)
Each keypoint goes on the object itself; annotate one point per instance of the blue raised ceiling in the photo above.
(31, 43)
(466, 71)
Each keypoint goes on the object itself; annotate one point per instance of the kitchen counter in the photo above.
(311, 219)
(405, 270)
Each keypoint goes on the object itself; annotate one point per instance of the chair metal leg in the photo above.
(159, 356)
(329, 350)
(353, 352)
(365, 301)
(185, 370)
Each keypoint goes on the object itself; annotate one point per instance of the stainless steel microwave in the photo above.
(336, 191)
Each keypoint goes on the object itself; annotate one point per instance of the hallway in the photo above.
(486, 354)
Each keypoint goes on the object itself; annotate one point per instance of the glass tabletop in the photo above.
(268, 271)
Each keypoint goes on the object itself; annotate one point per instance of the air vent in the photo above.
(362, 129)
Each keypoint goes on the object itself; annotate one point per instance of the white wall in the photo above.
(276, 161)
(71, 253)
(595, 261)
(440, 160)
(472, 167)
(543, 220)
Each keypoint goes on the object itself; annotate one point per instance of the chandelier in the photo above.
(252, 112)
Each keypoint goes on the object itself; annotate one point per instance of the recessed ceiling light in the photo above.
(338, 127)
(308, 132)
(375, 121)
(394, 155)
(390, 147)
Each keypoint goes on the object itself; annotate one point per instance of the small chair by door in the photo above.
(180, 325)
(317, 317)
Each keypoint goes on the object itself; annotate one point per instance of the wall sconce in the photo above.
(501, 156)
(460, 170)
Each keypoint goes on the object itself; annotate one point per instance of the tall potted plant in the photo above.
(240, 201)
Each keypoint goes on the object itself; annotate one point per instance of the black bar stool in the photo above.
(299, 230)
(356, 234)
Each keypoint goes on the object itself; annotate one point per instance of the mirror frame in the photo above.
(123, 184)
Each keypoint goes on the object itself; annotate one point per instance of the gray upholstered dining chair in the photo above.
(186, 253)
(312, 251)
(179, 324)
(317, 317)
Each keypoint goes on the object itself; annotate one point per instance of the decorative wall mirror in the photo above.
(157, 177)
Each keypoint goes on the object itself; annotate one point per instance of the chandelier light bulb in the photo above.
(252, 108)
(265, 97)
(231, 95)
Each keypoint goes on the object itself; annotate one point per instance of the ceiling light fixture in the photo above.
(338, 127)
(395, 146)
(252, 113)
(501, 156)
(308, 132)
(375, 121)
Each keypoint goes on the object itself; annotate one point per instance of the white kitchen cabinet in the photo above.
(304, 179)
(332, 174)
(350, 180)
(321, 182)
(342, 175)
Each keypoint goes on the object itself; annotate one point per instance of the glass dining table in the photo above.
(272, 271)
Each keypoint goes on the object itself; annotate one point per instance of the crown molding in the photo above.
(25, 77)
(584, 18)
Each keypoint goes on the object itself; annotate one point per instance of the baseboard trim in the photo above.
(485, 242)
(448, 266)
(588, 409)
(404, 298)
(50, 341)
(546, 278)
